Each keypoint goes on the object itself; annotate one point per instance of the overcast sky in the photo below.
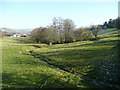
(19, 15)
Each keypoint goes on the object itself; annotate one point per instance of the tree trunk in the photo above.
(50, 43)
(95, 35)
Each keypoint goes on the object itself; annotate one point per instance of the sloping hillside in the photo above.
(21, 31)
(85, 64)
(95, 61)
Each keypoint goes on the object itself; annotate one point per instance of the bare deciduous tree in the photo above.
(95, 29)
(82, 34)
(69, 28)
(61, 31)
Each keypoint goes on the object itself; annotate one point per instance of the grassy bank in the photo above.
(21, 70)
(90, 60)
(94, 59)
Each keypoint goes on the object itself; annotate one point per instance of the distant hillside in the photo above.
(26, 31)
(21, 31)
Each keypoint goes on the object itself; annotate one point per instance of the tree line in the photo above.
(115, 23)
(62, 31)
(4, 33)
(65, 31)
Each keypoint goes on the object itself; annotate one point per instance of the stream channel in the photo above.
(92, 80)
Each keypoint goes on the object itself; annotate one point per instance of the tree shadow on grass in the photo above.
(26, 79)
(13, 80)
(111, 36)
(24, 41)
(109, 41)
(76, 60)
(92, 44)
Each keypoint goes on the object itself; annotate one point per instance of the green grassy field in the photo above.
(80, 63)
(21, 70)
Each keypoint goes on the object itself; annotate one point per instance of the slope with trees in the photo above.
(65, 31)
